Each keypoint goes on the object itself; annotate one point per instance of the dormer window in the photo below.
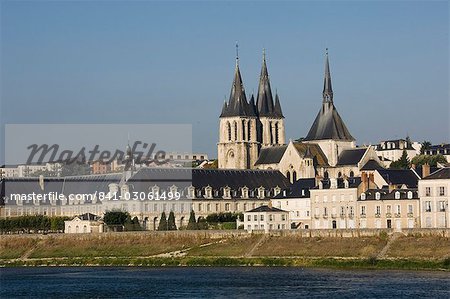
(208, 192)
(226, 192)
(410, 195)
(276, 191)
(191, 192)
(377, 196)
(363, 196)
(261, 192)
(244, 192)
(397, 195)
(155, 191)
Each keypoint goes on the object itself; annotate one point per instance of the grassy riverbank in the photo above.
(425, 252)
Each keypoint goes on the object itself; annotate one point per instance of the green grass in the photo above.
(237, 246)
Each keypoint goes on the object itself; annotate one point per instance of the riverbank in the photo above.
(395, 251)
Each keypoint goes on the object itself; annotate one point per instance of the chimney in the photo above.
(371, 179)
(425, 170)
(364, 181)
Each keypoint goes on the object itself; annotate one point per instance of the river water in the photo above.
(216, 282)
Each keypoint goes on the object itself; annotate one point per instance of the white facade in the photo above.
(299, 211)
(434, 201)
(266, 218)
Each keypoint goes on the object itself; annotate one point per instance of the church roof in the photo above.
(237, 104)
(351, 156)
(328, 123)
(264, 101)
(313, 150)
(271, 155)
(372, 165)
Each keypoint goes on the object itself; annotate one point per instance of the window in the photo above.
(351, 211)
(397, 195)
(441, 191)
(442, 206)
(283, 217)
(428, 206)
(294, 176)
(255, 217)
(261, 217)
(398, 209)
(249, 218)
(363, 196)
(235, 131)
(199, 206)
(325, 212)
(270, 217)
(378, 210)
(377, 195)
(227, 207)
(410, 195)
(363, 210)
(427, 191)
(342, 211)
(410, 209)
(229, 131)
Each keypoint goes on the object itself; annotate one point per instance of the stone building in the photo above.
(266, 218)
(434, 199)
(246, 126)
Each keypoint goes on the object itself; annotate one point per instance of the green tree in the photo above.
(115, 219)
(427, 159)
(402, 163)
(192, 224)
(163, 222)
(425, 145)
(171, 222)
(201, 223)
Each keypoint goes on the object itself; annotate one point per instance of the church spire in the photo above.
(327, 89)
(237, 104)
(264, 101)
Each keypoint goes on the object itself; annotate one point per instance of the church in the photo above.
(252, 135)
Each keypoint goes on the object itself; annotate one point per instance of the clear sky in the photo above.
(173, 62)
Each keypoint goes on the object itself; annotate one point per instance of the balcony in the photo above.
(410, 215)
(388, 215)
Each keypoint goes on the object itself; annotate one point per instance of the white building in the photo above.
(392, 150)
(266, 218)
(434, 199)
(86, 223)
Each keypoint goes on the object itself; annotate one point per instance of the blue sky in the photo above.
(173, 62)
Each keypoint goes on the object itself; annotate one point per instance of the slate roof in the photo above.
(328, 123)
(441, 174)
(266, 208)
(300, 189)
(386, 195)
(351, 156)
(399, 177)
(271, 155)
(419, 170)
(396, 145)
(89, 216)
(372, 165)
(352, 183)
(237, 104)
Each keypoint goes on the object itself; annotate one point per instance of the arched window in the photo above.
(352, 174)
(248, 130)
(271, 132)
(235, 131)
(325, 175)
(294, 176)
(288, 175)
(243, 130)
(276, 133)
(229, 131)
(339, 174)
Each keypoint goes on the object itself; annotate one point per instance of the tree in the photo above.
(192, 224)
(201, 223)
(116, 219)
(425, 145)
(427, 159)
(402, 163)
(171, 222)
(163, 222)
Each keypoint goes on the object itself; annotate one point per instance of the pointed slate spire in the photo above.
(253, 105)
(237, 104)
(264, 100)
(277, 109)
(327, 89)
(328, 123)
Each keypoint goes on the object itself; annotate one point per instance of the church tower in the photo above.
(270, 117)
(328, 129)
(238, 144)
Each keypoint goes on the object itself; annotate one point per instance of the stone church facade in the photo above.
(251, 136)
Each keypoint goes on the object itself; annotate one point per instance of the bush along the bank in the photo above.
(32, 224)
(120, 221)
